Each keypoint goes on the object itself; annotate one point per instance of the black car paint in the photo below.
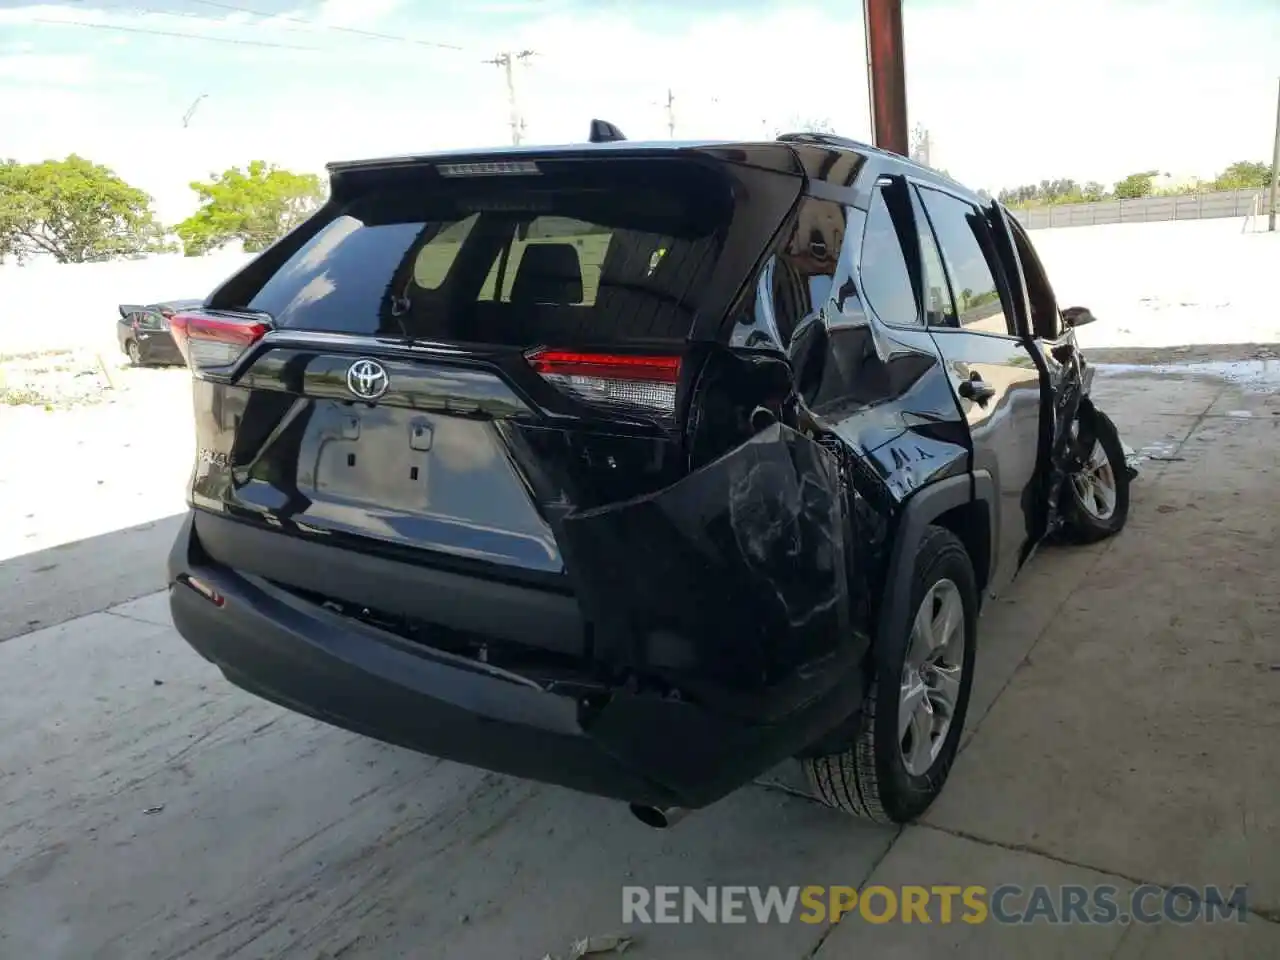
(147, 326)
(763, 551)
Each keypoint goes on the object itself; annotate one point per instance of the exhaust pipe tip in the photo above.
(660, 818)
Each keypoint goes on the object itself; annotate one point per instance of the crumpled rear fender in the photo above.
(729, 588)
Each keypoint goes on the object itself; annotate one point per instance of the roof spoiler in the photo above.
(824, 139)
(602, 131)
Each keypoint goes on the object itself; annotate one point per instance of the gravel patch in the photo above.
(57, 379)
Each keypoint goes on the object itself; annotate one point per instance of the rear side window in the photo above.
(886, 281)
(620, 251)
(803, 269)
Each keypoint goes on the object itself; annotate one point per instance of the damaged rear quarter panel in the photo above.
(728, 588)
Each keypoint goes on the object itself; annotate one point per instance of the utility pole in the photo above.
(507, 61)
(1275, 170)
(671, 116)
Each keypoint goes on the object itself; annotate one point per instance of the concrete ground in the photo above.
(1123, 731)
(91, 497)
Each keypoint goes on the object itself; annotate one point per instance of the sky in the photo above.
(1011, 91)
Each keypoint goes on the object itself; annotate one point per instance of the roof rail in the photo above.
(602, 131)
(825, 139)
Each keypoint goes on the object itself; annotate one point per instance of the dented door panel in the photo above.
(881, 390)
(731, 585)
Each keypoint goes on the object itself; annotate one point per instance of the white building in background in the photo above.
(1170, 181)
(921, 149)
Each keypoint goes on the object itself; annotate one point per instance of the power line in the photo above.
(252, 12)
(173, 33)
(329, 26)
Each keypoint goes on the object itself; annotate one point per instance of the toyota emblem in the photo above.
(367, 379)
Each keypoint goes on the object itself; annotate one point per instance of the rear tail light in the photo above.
(208, 343)
(637, 381)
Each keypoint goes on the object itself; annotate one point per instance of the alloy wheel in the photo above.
(931, 675)
(1095, 484)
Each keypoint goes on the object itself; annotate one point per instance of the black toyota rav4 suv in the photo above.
(636, 468)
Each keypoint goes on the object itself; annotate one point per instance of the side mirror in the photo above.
(1077, 316)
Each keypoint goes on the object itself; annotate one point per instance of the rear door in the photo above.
(997, 384)
(154, 339)
(454, 362)
(125, 325)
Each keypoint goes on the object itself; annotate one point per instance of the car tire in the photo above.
(134, 352)
(1096, 499)
(873, 776)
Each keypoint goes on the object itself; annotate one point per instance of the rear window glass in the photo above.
(620, 251)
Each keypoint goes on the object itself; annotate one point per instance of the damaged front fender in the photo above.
(730, 588)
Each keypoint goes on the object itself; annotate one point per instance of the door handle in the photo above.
(976, 389)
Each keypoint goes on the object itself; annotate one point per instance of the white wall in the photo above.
(1167, 284)
(48, 306)
(1150, 284)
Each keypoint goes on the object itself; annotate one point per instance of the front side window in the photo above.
(964, 242)
(1045, 318)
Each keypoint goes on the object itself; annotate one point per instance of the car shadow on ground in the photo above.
(48, 587)
(247, 830)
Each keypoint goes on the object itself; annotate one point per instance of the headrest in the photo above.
(548, 273)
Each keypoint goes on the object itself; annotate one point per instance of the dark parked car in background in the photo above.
(637, 468)
(143, 331)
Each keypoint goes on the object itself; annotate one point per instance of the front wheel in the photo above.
(135, 353)
(1096, 498)
(908, 731)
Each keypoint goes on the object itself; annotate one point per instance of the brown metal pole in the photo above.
(887, 74)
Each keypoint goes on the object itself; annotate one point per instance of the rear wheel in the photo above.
(1096, 498)
(908, 731)
(135, 353)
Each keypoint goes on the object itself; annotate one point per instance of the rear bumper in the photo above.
(639, 748)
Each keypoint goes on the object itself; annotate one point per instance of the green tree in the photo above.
(1243, 175)
(1092, 192)
(1135, 185)
(74, 211)
(256, 206)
